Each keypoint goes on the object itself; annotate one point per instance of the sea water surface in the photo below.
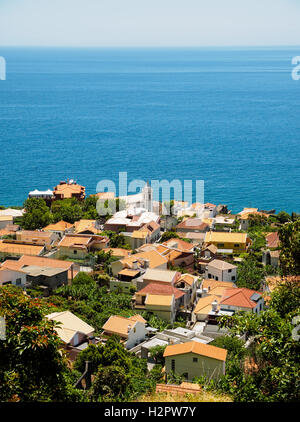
(228, 116)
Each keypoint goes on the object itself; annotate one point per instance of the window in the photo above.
(229, 271)
(75, 252)
(209, 275)
(173, 365)
(220, 245)
(217, 278)
(195, 359)
(233, 278)
(236, 245)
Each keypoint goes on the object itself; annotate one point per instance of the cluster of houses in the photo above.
(192, 276)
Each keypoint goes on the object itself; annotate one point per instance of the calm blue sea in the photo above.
(228, 116)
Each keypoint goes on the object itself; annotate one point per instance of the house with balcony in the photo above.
(68, 190)
(151, 299)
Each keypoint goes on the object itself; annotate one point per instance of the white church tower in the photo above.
(148, 197)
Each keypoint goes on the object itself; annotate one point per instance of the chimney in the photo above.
(214, 306)
(135, 265)
(146, 263)
(128, 328)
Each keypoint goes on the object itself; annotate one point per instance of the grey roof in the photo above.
(255, 297)
(154, 342)
(35, 271)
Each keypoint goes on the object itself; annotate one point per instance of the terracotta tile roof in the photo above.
(240, 297)
(118, 252)
(211, 248)
(192, 235)
(27, 260)
(67, 190)
(85, 225)
(159, 300)
(9, 230)
(203, 305)
(20, 248)
(70, 240)
(192, 224)
(155, 259)
(272, 240)
(119, 325)
(179, 244)
(160, 289)
(210, 283)
(150, 227)
(138, 317)
(59, 226)
(225, 237)
(33, 234)
(221, 265)
(128, 272)
(197, 348)
(140, 234)
(105, 195)
(188, 279)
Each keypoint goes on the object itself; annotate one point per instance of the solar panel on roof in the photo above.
(255, 297)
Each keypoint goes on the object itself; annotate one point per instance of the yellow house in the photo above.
(228, 242)
(162, 306)
(195, 359)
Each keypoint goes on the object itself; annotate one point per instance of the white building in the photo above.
(221, 271)
(144, 199)
(47, 194)
(131, 330)
(12, 276)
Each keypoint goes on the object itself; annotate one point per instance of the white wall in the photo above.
(7, 275)
(136, 335)
(220, 275)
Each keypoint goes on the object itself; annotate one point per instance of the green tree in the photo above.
(249, 275)
(168, 235)
(289, 235)
(157, 353)
(93, 354)
(68, 210)
(83, 279)
(31, 365)
(37, 215)
(275, 373)
(110, 384)
(283, 217)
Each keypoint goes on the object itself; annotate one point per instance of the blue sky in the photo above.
(149, 22)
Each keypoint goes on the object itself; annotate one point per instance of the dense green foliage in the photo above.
(119, 375)
(168, 235)
(289, 235)
(274, 355)
(250, 274)
(31, 366)
(116, 240)
(39, 215)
